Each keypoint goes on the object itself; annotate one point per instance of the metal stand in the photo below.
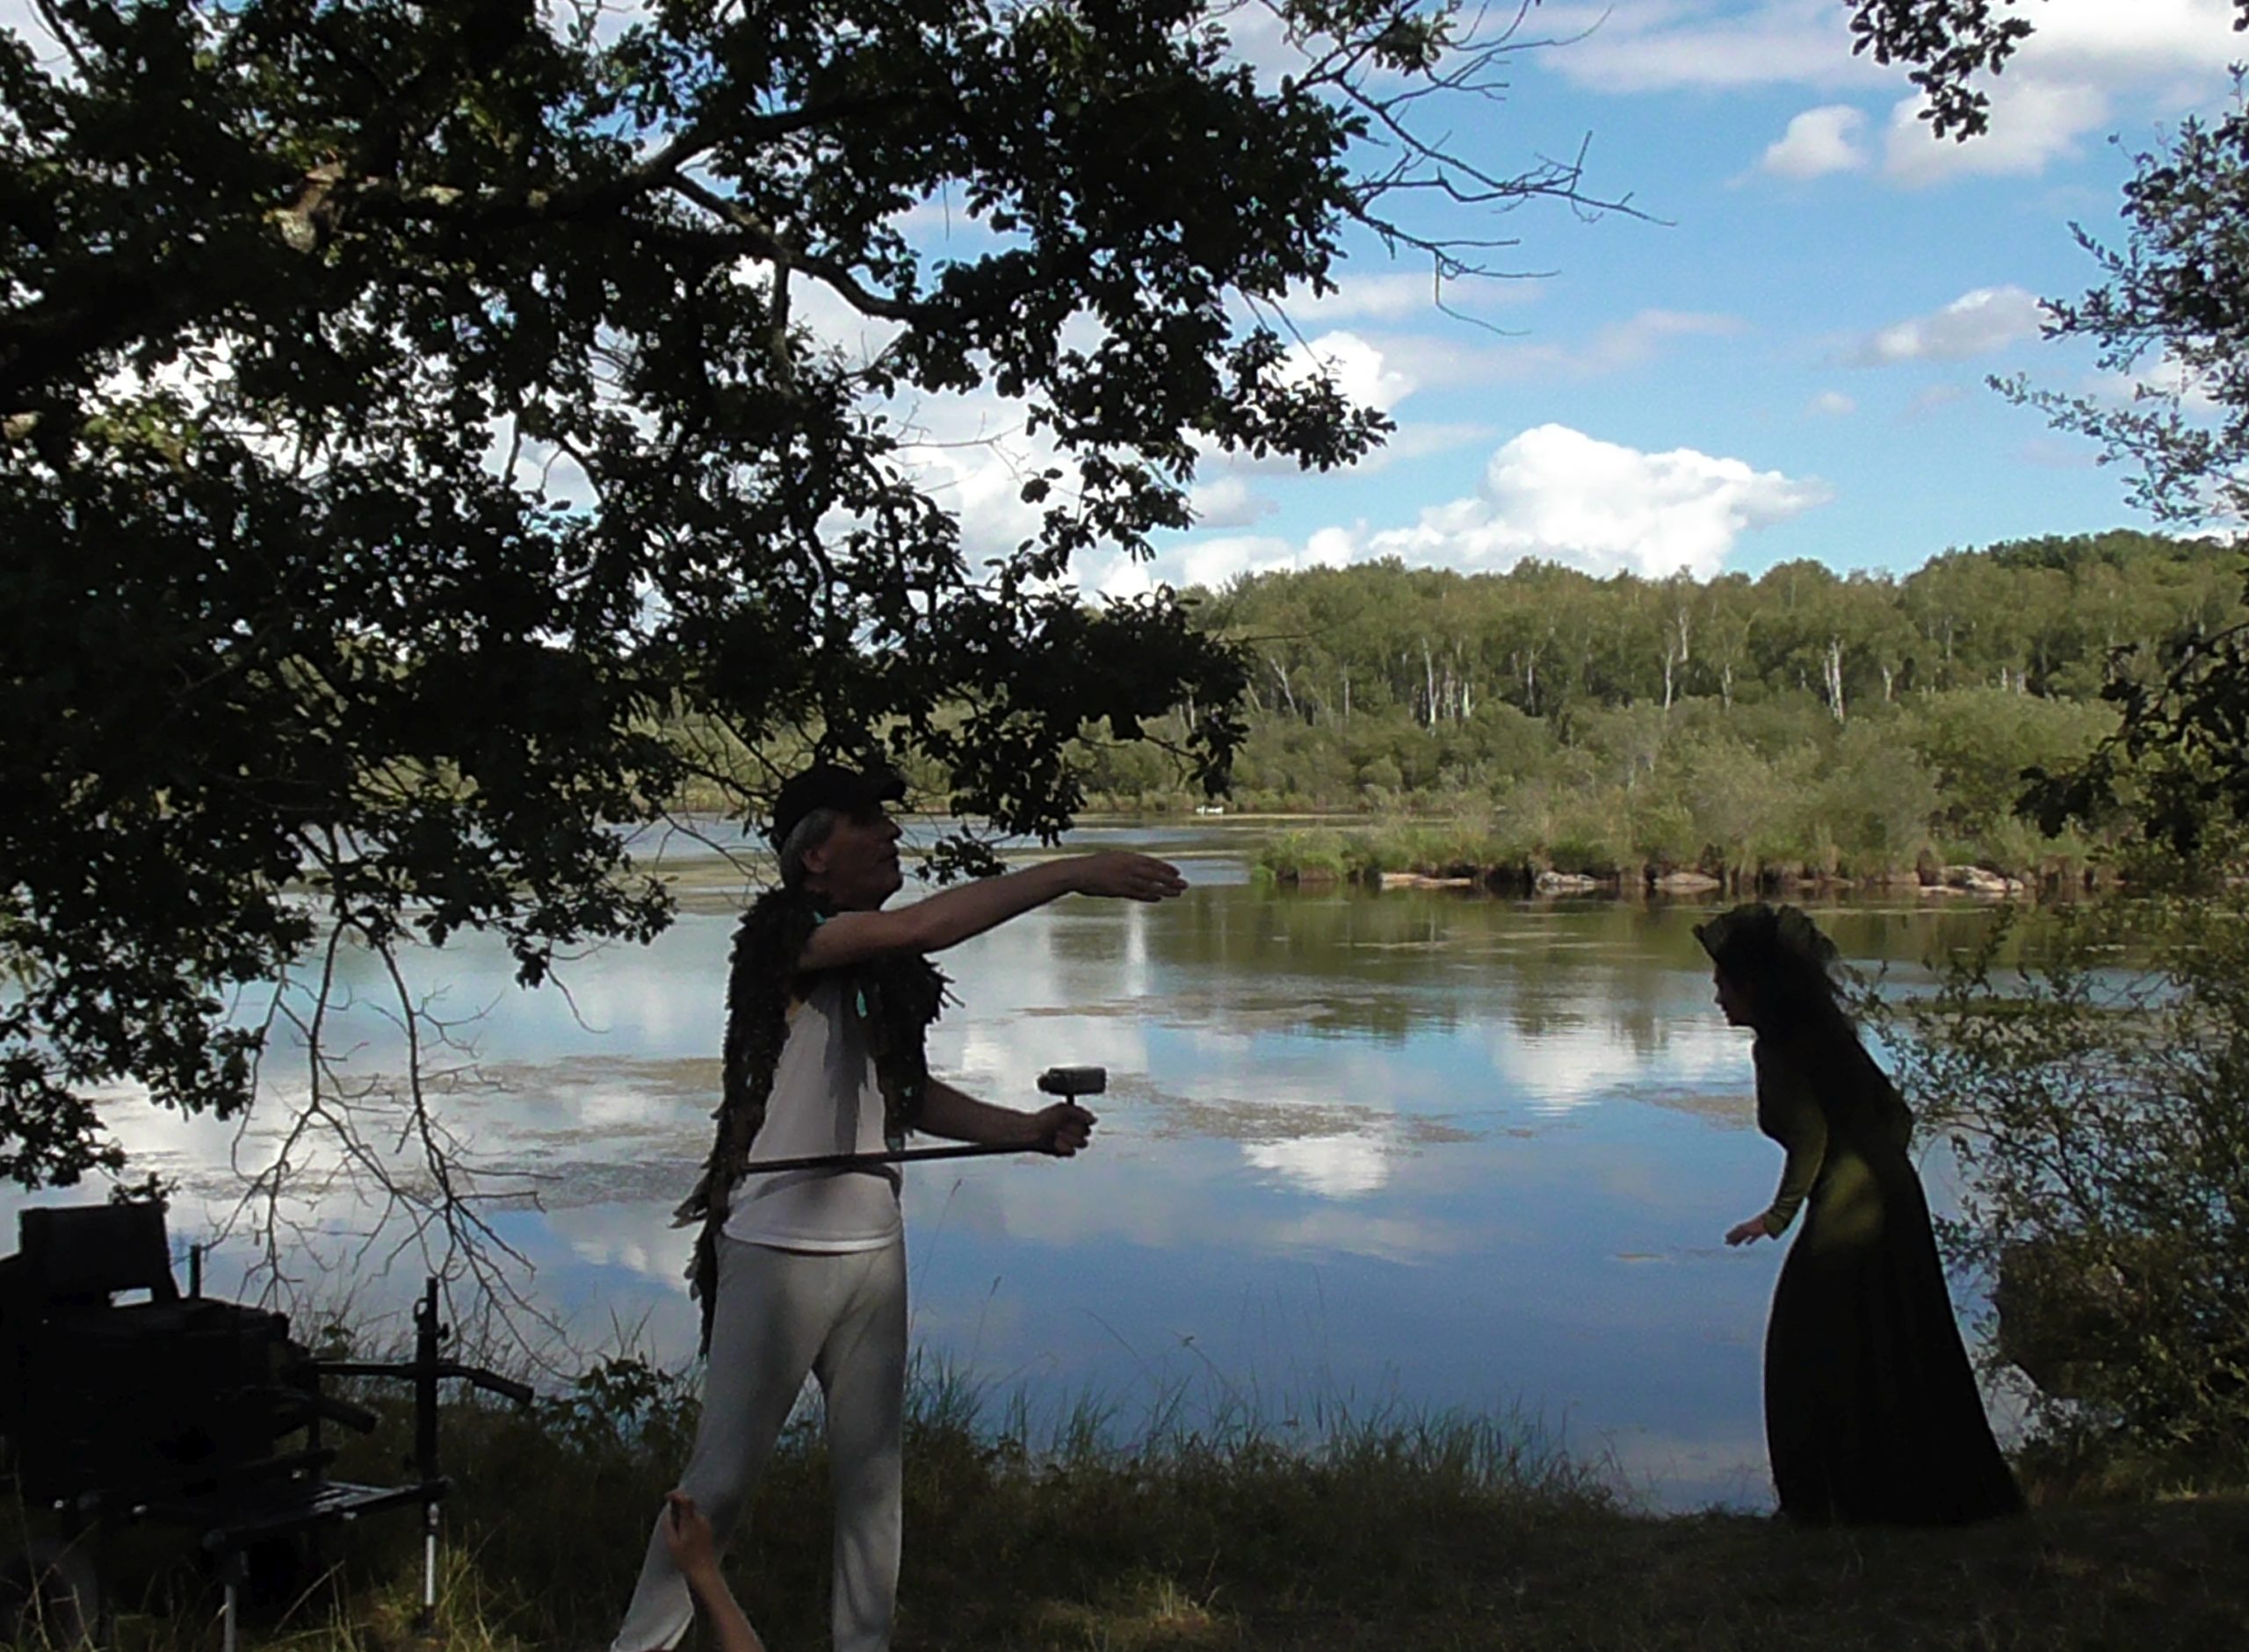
(427, 1369)
(236, 1565)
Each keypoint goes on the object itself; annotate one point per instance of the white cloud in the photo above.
(939, 219)
(1419, 441)
(1662, 44)
(1261, 38)
(1628, 343)
(1227, 501)
(1832, 404)
(1818, 141)
(1973, 324)
(1657, 45)
(830, 318)
(1552, 492)
(1358, 366)
(1404, 295)
(1929, 400)
(971, 453)
(2125, 42)
(1432, 363)
(2062, 84)
(2033, 122)
(1555, 492)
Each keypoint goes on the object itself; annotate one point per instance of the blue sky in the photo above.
(1793, 363)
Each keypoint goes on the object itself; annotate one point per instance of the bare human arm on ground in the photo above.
(953, 915)
(687, 1534)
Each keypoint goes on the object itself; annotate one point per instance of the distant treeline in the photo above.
(1801, 719)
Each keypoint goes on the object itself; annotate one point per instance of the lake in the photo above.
(1413, 1150)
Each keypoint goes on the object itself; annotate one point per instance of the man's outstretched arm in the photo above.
(952, 916)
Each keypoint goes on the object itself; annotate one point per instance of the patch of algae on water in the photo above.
(1726, 1109)
(663, 1079)
(1171, 1117)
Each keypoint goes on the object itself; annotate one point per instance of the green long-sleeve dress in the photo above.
(1871, 1410)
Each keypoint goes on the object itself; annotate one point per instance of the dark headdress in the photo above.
(1789, 967)
(1778, 953)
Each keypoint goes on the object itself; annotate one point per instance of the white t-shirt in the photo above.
(824, 1100)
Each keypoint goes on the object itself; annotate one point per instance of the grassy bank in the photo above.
(1395, 1532)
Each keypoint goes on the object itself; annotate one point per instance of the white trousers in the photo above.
(779, 1315)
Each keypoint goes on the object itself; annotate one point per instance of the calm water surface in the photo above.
(1413, 1149)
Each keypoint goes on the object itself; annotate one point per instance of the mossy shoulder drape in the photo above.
(898, 997)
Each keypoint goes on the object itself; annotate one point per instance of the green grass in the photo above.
(1393, 1531)
(1306, 856)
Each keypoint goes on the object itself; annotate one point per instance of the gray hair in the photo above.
(804, 837)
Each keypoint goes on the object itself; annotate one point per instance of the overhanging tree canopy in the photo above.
(306, 308)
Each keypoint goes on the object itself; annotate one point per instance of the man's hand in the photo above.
(1745, 1232)
(1061, 1130)
(687, 1535)
(1124, 876)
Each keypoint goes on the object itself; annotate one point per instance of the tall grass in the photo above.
(1042, 1523)
(1016, 1508)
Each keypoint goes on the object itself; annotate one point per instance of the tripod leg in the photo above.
(428, 1619)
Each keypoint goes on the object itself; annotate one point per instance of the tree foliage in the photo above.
(2099, 1117)
(1801, 719)
(408, 412)
(2170, 321)
(2041, 617)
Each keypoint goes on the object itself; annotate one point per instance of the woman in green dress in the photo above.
(1871, 1411)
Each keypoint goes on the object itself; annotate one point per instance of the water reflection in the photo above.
(1358, 1149)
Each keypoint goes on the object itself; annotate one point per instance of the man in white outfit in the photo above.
(800, 1272)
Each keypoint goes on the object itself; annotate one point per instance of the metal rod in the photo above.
(868, 1161)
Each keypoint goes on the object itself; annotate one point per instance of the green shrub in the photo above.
(2100, 1115)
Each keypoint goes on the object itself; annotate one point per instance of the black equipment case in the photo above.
(180, 1409)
